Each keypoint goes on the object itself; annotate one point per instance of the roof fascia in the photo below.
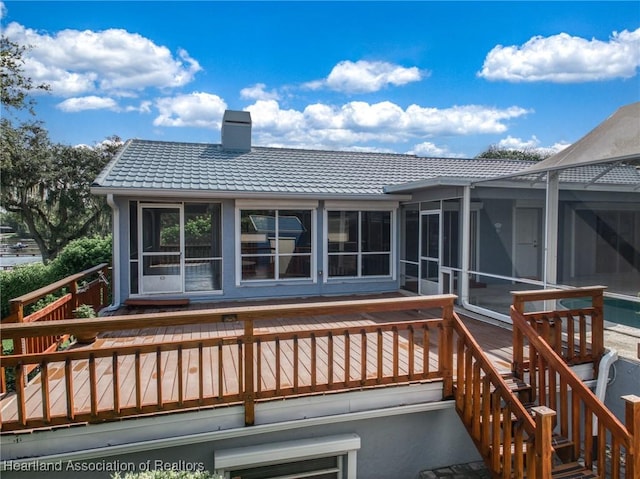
(625, 188)
(429, 183)
(193, 194)
(532, 170)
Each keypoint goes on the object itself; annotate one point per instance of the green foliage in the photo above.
(528, 154)
(196, 230)
(14, 85)
(168, 475)
(48, 186)
(84, 311)
(78, 256)
(22, 280)
(81, 254)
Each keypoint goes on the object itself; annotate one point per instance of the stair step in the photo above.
(515, 384)
(572, 470)
(561, 445)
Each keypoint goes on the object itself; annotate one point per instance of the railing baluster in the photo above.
(20, 393)
(411, 352)
(506, 441)
(138, 376)
(476, 399)
(583, 335)
(426, 350)
(201, 373)
(379, 355)
(330, 360)
(296, 360)
(220, 371)
(632, 421)
(258, 366)
(396, 354)
(93, 385)
(116, 383)
(44, 384)
(159, 398)
(363, 354)
(278, 378)
(68, 373)
(314, 361)
(347, 359)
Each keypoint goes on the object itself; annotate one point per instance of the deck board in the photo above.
(494, 340)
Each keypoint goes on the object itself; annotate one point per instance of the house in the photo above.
(367, 388)
(232, 221)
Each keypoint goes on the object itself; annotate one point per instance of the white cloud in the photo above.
(3, 10)
(74, 105)
(77, 62)
(257, 92)
(564, 58)
(511, 143)
(196, 109)
(366, 76)
(532, 144)
(359, 123)
(144, 107)
(429, 149)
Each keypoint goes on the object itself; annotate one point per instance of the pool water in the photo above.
(616, 310)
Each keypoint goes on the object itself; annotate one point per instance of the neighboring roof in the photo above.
(146, 166)
(615, 140)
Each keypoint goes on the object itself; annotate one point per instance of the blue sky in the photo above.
(431, 78)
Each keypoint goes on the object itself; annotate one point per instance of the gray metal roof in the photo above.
(157, 166)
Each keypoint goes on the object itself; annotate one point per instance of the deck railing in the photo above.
(590, 431)
(576, 335)
(87, 287)
(244, 364)
(483, 399)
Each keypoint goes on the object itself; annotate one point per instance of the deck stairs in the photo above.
(492, 406)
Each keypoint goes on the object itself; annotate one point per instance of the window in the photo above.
(203, 247)
(359, 243)
(276, 244)
(329, 457)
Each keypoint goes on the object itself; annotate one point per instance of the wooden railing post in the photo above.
(446, 358)
(543, 448)
(632, 422)
(249, 389)
(73, 289)
(517, 366)
(597, 328)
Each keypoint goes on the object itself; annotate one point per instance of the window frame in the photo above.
(345, 446)
(360, 207)
(277, 206)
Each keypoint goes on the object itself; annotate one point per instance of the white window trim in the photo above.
(227, 460)
(275, 205)
(359, 207)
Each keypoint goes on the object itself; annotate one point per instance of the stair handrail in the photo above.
(606, 419)
(535, 441)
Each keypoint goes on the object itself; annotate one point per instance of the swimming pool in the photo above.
(616, 310)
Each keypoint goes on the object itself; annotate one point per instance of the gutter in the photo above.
(218, 194)
(115, 275)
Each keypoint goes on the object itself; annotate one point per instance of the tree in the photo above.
(46, 184)
(14, 85)
(529, 154)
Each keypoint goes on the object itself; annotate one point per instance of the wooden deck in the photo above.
(142, 371)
